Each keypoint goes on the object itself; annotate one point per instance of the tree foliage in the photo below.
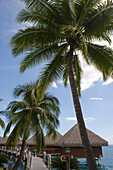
(2, 124)
(31, 115)
(57, 23)
(3, 159)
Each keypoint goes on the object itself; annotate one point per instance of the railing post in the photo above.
(49, 162)
(29, 160)
(99, 158)
(35, 153)
(68, 163)
(44, 156)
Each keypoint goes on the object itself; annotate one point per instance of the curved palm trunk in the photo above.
(85, 141)
(17, 164)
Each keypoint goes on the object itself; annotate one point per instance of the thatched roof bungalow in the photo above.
(70, 143)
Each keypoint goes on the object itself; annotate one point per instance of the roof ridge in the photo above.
(69, 133)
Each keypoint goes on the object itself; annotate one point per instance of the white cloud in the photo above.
(95, 98)
(86, 119)
(61, 82)
(54, 84)
(90, 75)
(110, 139)
(108, 81)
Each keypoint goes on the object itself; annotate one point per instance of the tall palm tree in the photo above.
(31, 116)
(61, 31)
(2, 124)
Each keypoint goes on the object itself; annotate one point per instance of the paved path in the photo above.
(38, 164)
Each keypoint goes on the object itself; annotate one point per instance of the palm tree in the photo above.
(61, 31)
(31, 116)
(2, 124)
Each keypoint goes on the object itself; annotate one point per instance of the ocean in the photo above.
(106, 160)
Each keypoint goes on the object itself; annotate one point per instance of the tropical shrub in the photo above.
(57, 163)
(3, 159)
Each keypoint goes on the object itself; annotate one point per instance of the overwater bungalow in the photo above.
(70, 143)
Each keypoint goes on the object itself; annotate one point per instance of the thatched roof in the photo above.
(19, 142)
(49, 141)
(3, 140)
(31, 141)
(72, 139)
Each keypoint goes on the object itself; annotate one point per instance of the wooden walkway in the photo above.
(37, 164)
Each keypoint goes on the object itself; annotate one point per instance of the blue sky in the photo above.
(97, 96)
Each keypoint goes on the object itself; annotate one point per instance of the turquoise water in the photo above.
(106, 161)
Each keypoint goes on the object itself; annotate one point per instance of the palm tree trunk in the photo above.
(85, 141)
(17, 164)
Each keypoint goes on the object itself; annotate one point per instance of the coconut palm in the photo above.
(62, 31)
(31, 116)
(2, 124)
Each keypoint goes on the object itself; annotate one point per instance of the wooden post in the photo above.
(99, 158)
(68, 163)
(29, 160)
(49, 162)
(16, 154)
(35, 154)
(11, 152)
(44, 156)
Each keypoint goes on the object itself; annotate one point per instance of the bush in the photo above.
(3, 159)
(57, 163)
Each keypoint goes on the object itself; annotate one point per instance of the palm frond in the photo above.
(84, 7)
(14, 136)
(8, 128)
(17, 105)
(101, 20)
(38, 56)
(77, 73)
(32, 38)
(44, 7)
(52, 71)
(2, 124)
(102, 58)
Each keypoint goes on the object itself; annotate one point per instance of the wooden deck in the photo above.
(38, 164)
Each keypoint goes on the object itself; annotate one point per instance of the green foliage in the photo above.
(57, 163)
(3, 158)
(32, 115)
(2, 124)
(55, 25)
